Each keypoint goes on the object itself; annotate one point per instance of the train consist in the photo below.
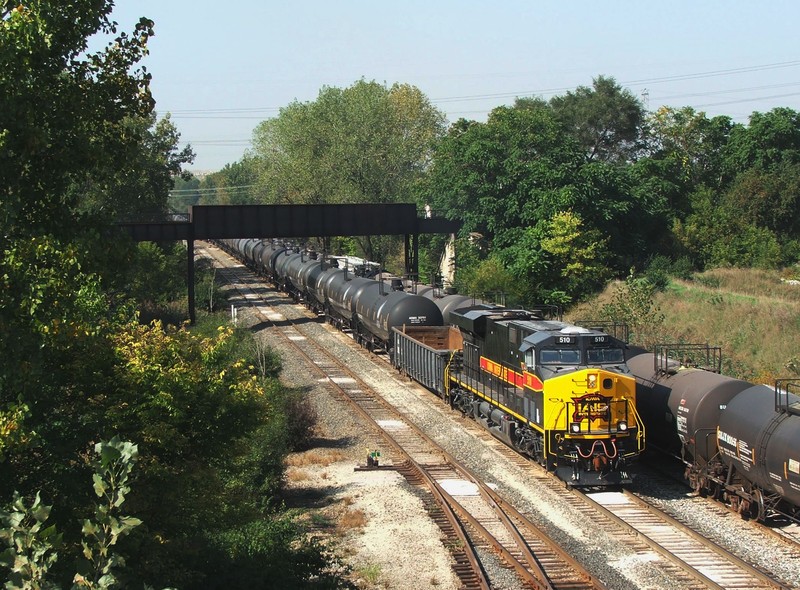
(561, 394)
(740, 442)
(576, 400)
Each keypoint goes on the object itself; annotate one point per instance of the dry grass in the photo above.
(352, 519)
(316, 457)
(296, 475)
(750, 314)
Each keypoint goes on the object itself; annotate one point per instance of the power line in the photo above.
(214, 113)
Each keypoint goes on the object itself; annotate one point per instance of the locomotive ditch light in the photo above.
(575, 427)
(622, 426)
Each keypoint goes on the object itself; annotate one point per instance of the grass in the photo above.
(750, 314)
(352, 519)
(315, 457)
(370, 572)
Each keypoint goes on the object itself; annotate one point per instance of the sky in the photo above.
(220, 68)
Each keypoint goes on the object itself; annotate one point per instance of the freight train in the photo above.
(558, 393)
(740, 442)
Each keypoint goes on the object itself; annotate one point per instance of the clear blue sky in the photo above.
(222, 67)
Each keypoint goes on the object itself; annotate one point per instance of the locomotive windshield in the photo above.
(560, 356)
(605, 355)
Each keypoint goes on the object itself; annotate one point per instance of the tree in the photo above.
(63, 112)
(578, 254)
(771, 139)
(508, 179)
(692, 142)
(137, 190)
(77, 366)
(362, 144)
(235, 184)
(606, 119)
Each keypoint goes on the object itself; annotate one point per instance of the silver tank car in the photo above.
(759, 437)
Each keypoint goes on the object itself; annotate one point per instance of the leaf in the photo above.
(100, 486)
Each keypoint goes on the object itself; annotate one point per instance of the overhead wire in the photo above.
(258, 113)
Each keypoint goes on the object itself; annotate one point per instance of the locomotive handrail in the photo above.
(618, 330)
(640, 428)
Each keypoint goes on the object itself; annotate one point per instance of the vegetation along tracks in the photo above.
(468, 511)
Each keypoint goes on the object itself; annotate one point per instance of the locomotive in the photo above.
(556, 392)
(739, 442)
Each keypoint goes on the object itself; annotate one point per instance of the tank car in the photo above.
(681, 405)
(559, 393)
(318, 287)
(759, 444)
(297, 269)
(740, 442)
(379, 311)
(341, 291)
(268, 257)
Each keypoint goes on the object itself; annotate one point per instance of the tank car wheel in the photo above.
(758, 509)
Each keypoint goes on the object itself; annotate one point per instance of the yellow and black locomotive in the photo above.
(557, 392)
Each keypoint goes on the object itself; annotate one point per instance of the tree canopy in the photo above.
(367, 143)
(81, 147)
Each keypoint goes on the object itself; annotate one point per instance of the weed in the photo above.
(370, 572)
(352, 519)
(323, 457)
(321, 520)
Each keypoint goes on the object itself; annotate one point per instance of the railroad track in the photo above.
(692, 560)
(689, 564)
(700, 560)
(468, 511)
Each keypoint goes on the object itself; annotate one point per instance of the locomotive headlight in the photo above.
(592, 381)
(575, 427)
(622, 426)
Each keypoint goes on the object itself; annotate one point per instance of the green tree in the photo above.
(606, 119)
(184, 194)
(578, 254)
(139, 189)
(770, 139)
(63, 112)
(633, 305)
(692, 142)
(235, 184)
(77, 367)
(508, 178)
(364, 144)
